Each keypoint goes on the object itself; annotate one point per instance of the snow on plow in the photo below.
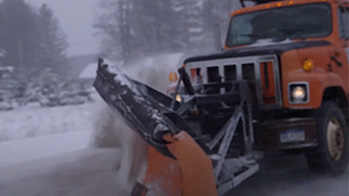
(182, 158)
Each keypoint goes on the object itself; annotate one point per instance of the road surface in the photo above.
(92, 172)
(289, 176)
(88, 172)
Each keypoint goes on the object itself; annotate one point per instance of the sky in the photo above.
(76, 18)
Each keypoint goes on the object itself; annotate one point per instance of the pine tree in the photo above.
(53, 42)
(114, 29)
(135, 28)
(19, 34)
(154, 26)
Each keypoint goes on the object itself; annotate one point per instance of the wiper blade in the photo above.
(252, 35)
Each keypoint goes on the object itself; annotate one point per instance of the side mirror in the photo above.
(218, 37)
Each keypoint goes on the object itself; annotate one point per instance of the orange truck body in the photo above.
(328, 77)
(326, 73)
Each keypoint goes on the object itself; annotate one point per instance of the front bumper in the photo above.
(270, 134)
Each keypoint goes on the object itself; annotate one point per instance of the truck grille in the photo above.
(230, 73)
(248, 72)
(262, 72)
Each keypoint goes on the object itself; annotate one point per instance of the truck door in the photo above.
(343, 45)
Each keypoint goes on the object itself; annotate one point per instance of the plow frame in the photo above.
(157, 118)
(242, 113)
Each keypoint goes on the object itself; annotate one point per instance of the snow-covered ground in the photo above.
(47, 151)
(21, 151)
(30, 134)
(33, 122)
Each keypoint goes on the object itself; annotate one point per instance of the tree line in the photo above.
(133, 28)
(33, 59)
(30, 38)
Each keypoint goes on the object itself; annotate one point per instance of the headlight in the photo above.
(178, 98)
(298, 93)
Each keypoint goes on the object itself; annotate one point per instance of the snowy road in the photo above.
(92, 172)
(290, 176)
(81, 173)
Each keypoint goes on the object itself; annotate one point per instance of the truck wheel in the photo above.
(331, 155)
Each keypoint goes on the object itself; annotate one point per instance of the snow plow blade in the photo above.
(141, 107)
(176, 164)
(190, 174)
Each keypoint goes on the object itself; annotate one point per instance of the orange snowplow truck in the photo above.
(280, 84)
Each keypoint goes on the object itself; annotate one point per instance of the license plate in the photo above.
(294, 135)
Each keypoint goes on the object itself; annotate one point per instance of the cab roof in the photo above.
(277, 4)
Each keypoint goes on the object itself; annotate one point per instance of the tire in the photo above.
(331, 155)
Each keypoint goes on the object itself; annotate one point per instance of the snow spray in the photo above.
(112, 132)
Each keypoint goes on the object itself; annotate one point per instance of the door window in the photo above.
(343, 14)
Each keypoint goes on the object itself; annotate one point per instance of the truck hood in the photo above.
(262, 49)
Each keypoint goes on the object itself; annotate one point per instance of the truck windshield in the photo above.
(294, 22)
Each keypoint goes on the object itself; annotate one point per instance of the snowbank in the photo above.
(31, 122)
(9, 69)
(24, 151)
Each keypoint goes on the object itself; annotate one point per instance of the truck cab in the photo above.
(294, 55)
